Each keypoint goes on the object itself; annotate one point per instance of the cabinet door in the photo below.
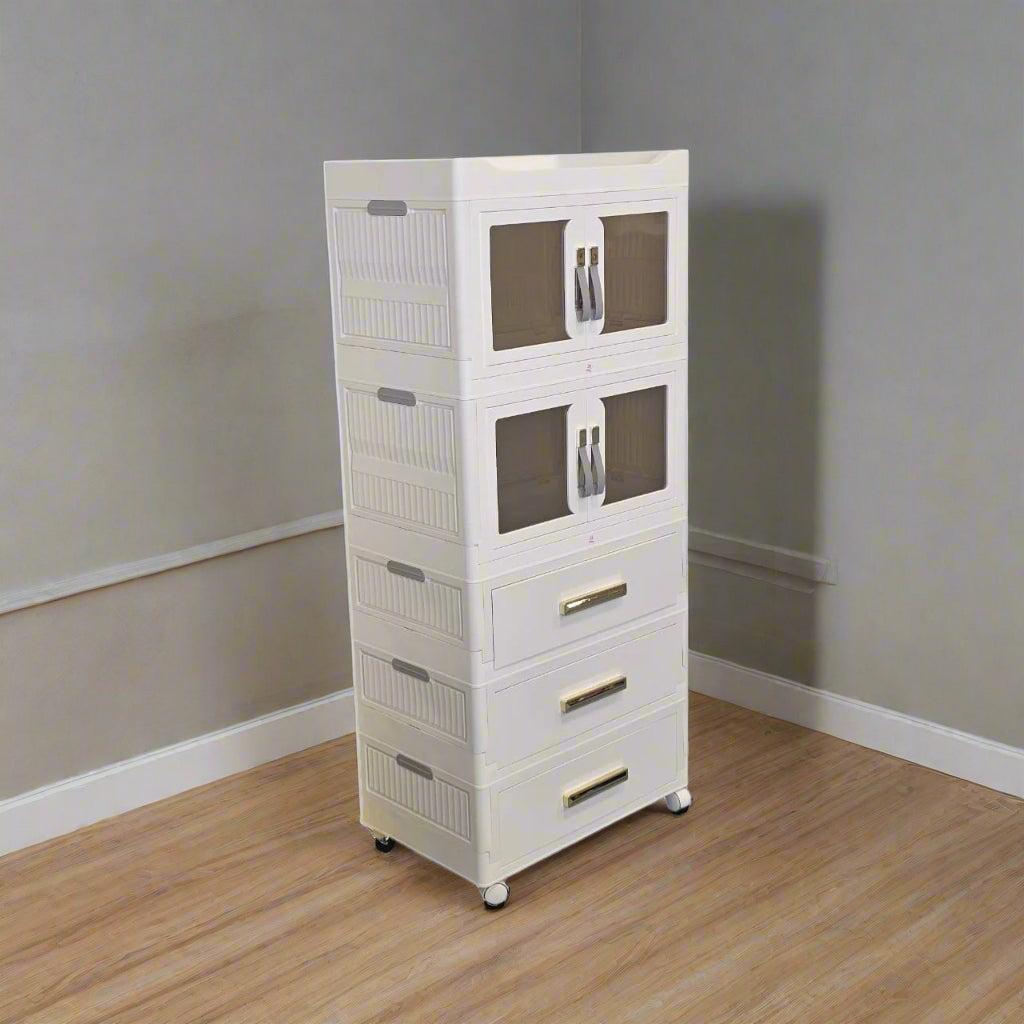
(531, 283)
(632, 257)
(639, 451)
(530, 467)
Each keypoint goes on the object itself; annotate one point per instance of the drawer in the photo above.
(562, 801)
(531, 716)
(567, 605)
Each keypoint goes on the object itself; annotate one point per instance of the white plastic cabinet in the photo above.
(510, 356)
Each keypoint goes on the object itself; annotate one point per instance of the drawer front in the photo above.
(564, 800)
(571, 604)
(559, 706)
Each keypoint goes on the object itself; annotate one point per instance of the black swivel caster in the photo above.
(383, 843)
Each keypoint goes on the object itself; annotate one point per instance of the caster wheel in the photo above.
(385, 845)
(679, 803)
(495, 896)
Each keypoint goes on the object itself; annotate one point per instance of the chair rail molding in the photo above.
(794, 570)
(55, 590)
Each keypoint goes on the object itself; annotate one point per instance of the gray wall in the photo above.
(165, 358)
(857, 327)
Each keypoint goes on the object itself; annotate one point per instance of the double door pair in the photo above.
(584, 456)
(566, 279)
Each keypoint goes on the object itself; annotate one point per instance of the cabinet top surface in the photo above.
(495, 177)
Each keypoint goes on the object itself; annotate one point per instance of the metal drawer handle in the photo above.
(599, 692)
(410, 572)
(593, 788)
(395, 396)
(410, 670)
(576, 604)
(414, 766)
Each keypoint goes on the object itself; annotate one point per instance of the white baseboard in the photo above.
(961, 754)
(73, 803)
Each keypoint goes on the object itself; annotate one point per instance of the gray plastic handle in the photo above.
(410, 670)
(583, 310)
(386, 208)
(595, 452)
(410, 572)
(395, 397)
(414, 766)
(596, 292)
(586, 476)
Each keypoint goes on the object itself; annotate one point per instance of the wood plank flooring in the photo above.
(813, 881)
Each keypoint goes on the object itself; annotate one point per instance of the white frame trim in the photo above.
(960, 754)
(668, 205)
(489, 414)
(676, 413)
(573, 237)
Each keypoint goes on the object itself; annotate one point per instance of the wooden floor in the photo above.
(813, 881)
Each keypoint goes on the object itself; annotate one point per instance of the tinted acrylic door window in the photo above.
(635, 271)
(527, 284)
(635, 443)
(531, 451)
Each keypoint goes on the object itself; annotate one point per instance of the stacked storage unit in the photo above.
(510, 340)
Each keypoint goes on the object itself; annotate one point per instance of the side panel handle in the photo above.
(410, 572)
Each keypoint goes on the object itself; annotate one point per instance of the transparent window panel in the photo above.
(527, 284)
(531, 452)
(635, 271)
(635, 456)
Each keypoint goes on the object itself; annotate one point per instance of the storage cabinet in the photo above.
(510, 354)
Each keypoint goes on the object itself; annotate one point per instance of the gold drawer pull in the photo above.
(585, 697)
(576, 604)
(595, 787)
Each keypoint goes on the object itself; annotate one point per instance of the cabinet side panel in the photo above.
(434, 799)
(393, 277)
(428, 701)
(403, 461)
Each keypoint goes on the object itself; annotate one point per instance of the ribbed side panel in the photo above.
(417, 323)
(437, 606)
(437, 801)
(400, 439)
(433, 703)
(421, 435)
(408, 502)
(393, 250)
